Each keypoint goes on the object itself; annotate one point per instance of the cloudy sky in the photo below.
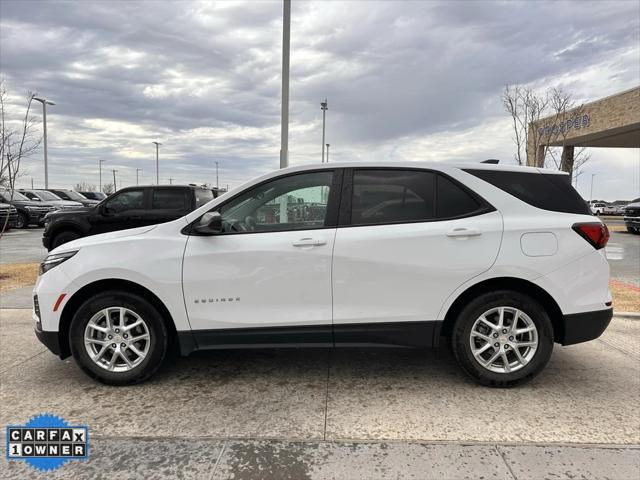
(404, 80)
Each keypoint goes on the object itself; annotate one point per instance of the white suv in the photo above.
(502, 261)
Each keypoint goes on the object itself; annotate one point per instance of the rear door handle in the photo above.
(464, 232)
(308, 242)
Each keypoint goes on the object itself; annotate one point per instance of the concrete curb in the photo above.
(632, 315)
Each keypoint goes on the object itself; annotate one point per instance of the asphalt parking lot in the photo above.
(349, 413)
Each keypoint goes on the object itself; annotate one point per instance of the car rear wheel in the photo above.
(632, 230)
(22, 220)
(503, 339)
(63, 237)
(118, 338)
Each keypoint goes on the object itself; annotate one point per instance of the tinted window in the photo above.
(170, 199)
(61, 194)
(452, 200)
(125, 201)
(296, 202)
(542, 190)
(203, 196)
(392, 196)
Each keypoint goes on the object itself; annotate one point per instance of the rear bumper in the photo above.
(582, 327)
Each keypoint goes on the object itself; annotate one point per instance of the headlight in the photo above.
(29, 208)
(54, 260)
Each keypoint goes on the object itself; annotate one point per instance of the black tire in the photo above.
(460, 338)
(22, 221)
(64, 237)
(632, 230)
(155, 325)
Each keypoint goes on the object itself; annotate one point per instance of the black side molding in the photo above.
(582, 327)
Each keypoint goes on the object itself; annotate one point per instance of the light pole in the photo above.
(591, 194)
(171, 181)
(284, 115)
(100, 174)
(115, 188)
(137, 170)
(217, 179)
(44, 103)
(328, 145)
(323, 106)
(157, 144)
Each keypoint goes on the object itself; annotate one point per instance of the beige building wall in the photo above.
(609, 122)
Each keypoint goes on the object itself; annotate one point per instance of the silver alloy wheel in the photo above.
(117, 339)
(503, 339)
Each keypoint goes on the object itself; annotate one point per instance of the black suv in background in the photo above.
(73, 196)
(29, 212)
(128, 208)
(99, 196)
(632, 216)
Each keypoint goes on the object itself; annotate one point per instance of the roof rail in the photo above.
(493, 161)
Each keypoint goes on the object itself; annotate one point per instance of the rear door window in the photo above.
(170, 199)
(392, 196)
(454, 201)
(547, 191)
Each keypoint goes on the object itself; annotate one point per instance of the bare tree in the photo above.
(85, 187)
(526, 106)
(108, 188)
(18, 141)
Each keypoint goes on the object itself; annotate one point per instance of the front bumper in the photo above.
(582, 327)
(50, 340)
(632, 221)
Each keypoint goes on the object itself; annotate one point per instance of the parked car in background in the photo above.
(387, 254)
(99, 196)
(632, 216)
(50, 198)
(73, 196)
(602, 209)
(29, 212)
(8, 216)
(127, 208)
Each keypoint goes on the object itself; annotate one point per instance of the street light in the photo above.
(284, 115)
(323, 106)
(157, 144)
(171, 181)
(328, 145)
(591, 194)
(115, 188)
(217, 179)
(137, 170)
(100, 170)
(44, 103)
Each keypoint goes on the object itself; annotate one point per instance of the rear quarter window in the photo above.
(170, 199)
(547, 191)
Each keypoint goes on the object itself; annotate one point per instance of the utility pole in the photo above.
(157, 144)
(115, 188)
(31, 183)
(591, 194)
(170, 181)
(284, 115)
(44, 103)
(137, 170)
(323, 106)
(328, 145)
(100, 173)
(217, 179)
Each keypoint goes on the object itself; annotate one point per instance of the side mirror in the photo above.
(209, 224)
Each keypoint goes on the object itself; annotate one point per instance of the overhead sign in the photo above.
(574, 123)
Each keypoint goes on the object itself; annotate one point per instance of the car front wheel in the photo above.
(63, 237)
(118, 338)
(503, 339)
(22, 220)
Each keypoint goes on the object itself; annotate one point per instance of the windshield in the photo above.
(16, 195)
(75, 196)
(44, 195)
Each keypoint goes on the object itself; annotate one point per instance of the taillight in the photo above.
(597, 234)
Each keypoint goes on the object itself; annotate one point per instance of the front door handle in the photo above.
(464, 232)
(308, 242)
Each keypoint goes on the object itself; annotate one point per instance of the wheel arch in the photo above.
(506, 283)
(76, 300)
(66, 227)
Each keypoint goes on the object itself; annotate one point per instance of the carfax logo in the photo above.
(46, 442)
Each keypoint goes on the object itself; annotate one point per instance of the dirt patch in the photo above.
(626, 297)
(16, 275)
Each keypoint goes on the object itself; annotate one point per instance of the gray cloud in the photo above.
(204, 77)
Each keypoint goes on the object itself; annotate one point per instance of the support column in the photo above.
(566, 160)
